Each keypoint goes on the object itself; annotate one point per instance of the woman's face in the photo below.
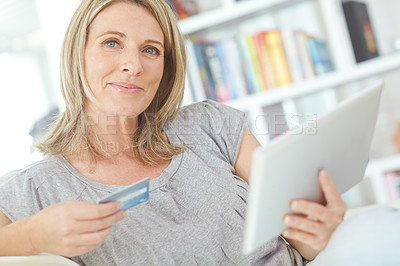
(124, 60)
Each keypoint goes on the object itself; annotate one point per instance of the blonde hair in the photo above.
(71, 133)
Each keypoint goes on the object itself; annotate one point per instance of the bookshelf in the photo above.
(322, 18)
(378, 185)
(230, 12)
(228, 20)
(361, 71)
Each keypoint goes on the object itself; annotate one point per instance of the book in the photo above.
(254, 62)
(234, 67)
(307, 66)
(185, 8)
(360, 30)
(199, 84)
(247, 64)
(292, 54)
(223, 56)
(264, 60)
(277, 58)
(215, 70)
(320, 56)
(205, 71)
(392, 179)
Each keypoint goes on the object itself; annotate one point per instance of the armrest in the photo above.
(355, 211)
(43, 259)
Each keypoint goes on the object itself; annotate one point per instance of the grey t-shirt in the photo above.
(195, 214)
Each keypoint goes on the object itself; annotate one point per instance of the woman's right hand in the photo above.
(72, 228)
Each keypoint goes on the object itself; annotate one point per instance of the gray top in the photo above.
(195, 214)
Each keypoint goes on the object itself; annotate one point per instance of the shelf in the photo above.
(360, 71)
(233, 12)
(383, 164)
(376, 172)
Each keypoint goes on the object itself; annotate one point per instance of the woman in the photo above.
(123, 69)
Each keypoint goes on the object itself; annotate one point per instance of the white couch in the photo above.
(37, 260)
(54, 260)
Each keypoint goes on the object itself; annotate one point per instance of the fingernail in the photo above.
(323, 173)
(285, 233)
(286, 220)
(294, 204)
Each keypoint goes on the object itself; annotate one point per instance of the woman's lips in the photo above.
(125, 87)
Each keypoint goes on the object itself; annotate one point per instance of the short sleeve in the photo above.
(18, 195)
(218, 122)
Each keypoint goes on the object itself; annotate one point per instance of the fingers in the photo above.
(312, 240)
(83, 243)
(303, 224)
(89, 211)
(101, 223)
(95, 238)
(314, 223)
(313, 210)
(64, 227)
(331, 193)
(335, 206)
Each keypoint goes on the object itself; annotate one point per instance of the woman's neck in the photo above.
(114, 132)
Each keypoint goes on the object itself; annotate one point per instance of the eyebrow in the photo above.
(154, 41)
(122, 35)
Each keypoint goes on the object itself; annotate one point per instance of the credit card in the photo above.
(130, 196)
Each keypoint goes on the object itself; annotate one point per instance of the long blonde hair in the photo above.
(71, 134)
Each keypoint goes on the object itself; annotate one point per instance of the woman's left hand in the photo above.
(313, 224)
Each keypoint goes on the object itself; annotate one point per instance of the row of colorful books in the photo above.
(188, 8)
(184, 8)
(247, 64)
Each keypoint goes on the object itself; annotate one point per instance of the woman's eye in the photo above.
(111, 44)
(152, 51)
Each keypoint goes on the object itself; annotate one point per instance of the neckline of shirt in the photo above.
(154, 183)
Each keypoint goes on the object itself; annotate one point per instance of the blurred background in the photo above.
(31, 33)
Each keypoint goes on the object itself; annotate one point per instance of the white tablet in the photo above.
(339, 142)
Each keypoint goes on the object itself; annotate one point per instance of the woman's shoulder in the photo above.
(39, 170)
(205, 106)
(209, 111)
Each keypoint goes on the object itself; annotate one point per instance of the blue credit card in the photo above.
(132, 195)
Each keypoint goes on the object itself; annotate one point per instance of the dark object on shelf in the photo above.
(360, 29)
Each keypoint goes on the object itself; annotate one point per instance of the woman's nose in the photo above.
(131, 64)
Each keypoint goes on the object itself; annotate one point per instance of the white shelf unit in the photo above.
(334, 29)
(231, 11)
(376, 173)
(335, 32)
(360, 71)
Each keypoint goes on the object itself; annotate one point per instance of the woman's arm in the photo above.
(4, 220)
(13, 239)
(243, 162)
(68, 229)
